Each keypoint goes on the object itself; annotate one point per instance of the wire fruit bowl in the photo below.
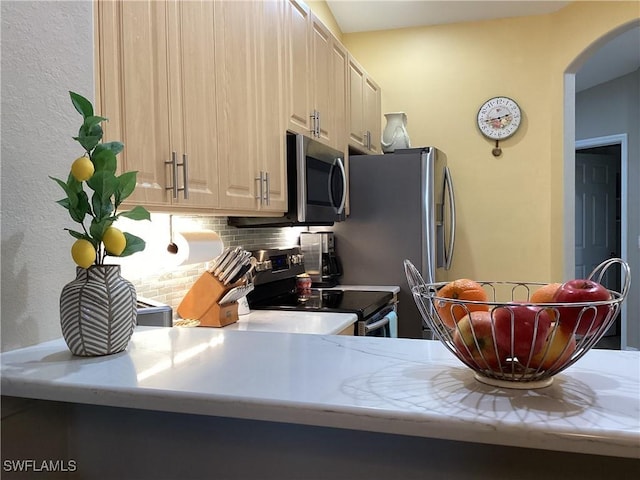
(510, 341)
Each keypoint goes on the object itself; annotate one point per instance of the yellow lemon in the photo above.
(114, 241)
(83, 253)
(82, 169)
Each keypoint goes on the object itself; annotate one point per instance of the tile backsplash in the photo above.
(152, 271)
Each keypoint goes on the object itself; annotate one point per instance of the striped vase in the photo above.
(98, 311)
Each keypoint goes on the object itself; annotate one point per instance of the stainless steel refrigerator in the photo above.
(402, 206)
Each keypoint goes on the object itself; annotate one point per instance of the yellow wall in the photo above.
(510, 219)
(322, 10)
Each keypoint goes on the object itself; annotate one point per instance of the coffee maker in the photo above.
(320, 260)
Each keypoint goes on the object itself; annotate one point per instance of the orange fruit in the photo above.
(462, 289)
(545, 294)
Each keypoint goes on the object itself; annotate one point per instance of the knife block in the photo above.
(201, 302)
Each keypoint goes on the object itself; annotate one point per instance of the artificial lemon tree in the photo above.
(97, 169)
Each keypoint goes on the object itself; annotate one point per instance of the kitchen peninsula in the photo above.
(212, 403)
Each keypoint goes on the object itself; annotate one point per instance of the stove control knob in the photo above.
(264, 265)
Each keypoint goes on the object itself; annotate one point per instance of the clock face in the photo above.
(499, 118)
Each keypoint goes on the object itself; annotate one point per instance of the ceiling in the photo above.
(618, 57)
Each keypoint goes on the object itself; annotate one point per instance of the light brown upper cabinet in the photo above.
(202, 93)
(364, 110)
(156, 87)
(315, 76)
(340, 59)
(249, 52)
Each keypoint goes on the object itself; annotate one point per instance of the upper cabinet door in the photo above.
(272, 102)
(364, 110)
(249, 75)
(298, 66)
(156, 87)
(134, 91)
(372, 113)
(315, 101)
(357, 130)
(193, 101)
(322, 93)
(238, 145)
(339, 93)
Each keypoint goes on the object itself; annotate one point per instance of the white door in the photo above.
(597, 215)
(597, 235)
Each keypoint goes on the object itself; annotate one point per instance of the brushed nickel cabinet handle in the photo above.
(260, 180)
(267, 186)
(174, 175)
(185, 177)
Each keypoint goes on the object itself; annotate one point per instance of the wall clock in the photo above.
(499, 118)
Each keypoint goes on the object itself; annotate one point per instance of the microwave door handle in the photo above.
(448, 254)
(344, 186)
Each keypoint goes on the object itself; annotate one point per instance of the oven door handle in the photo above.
(376, 325)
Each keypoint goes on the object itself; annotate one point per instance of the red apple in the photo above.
(473, 338)
(557, 349)
(582, 320)
(521, 329)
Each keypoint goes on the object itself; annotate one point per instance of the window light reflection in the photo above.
(179, 358)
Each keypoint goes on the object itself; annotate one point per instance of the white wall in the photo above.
(609, 109)
(47, 50)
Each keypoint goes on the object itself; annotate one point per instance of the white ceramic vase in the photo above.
(98, 311)
(395, 134)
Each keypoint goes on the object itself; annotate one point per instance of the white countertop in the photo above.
(401, 386)
(319, 323)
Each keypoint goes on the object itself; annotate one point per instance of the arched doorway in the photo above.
(569, 247)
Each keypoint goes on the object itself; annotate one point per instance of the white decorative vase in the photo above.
(98, 311)
(395, 134)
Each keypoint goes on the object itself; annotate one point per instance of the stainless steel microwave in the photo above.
(317, 186)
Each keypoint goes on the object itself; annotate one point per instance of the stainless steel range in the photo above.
(275, 289)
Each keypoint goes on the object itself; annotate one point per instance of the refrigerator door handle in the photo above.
(448, 254)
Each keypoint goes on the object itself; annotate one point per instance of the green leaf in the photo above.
(72, 196)
(89, 122)
(104, 185)
(134, 244)
(79, 235)
(95, 131)
(115, 147)
(80, 210)
(81, 104)
(88, 142)
(74, 184)
(126, 186)
(136, 213)
(91, 127)
(64, 202)
(104, 160)
(102, 208)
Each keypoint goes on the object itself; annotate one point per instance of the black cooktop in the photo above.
(363, 303)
